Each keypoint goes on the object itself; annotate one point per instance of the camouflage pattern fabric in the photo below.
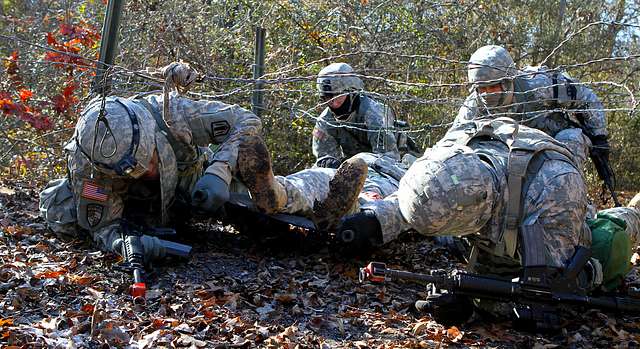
(457, 189)
(102, 199)
(534, 104)
(337, 78)
(368, 129)
(306, 187)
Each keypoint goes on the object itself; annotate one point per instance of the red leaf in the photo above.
(87, 308)
(68, 90)
(67, 29)
(25, 95)
(51, 40)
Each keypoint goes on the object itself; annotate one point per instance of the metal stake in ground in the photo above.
(108, 45)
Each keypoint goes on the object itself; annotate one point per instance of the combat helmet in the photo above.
(491, 65)
(337, 78)
(119, 139)
(452, 193)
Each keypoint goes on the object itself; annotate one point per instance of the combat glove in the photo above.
(328, 162)
(359, 233)
(210, 193)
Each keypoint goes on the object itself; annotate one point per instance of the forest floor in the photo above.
(235, 292)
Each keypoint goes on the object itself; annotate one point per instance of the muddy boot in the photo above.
(344, 189)
(635, 202)
(254, 165)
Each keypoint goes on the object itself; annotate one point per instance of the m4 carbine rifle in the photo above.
(133, 254)
(536, 296)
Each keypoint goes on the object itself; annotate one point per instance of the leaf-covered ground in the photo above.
(237, 293)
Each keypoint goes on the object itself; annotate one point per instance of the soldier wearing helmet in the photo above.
(537, 97)
(352, 122)
(514, 191)
(143, 159)
(459, 186)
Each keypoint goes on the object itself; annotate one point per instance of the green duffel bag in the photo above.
(612, 247)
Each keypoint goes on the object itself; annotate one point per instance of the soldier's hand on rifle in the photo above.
(152, 246)
(210, 193)
(359, 233)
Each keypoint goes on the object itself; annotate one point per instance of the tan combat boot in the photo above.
(254, 164)
(344, 189)
(635, 202)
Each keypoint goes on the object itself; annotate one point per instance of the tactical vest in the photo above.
(528, 149)
(530, 107)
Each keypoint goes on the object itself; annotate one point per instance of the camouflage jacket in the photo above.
(368, 129)
(540, 98)
(441, 189)
(193, 126)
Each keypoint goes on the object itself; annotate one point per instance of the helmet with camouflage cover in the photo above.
(121, 141)
(492, 65)
(337, 78)
(447, 191)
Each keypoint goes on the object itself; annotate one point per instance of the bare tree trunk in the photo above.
(615, 29)
(562, 8)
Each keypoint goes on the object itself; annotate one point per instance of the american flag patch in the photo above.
(94, 192)
(319, 134)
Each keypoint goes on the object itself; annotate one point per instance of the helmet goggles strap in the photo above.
(127, 165)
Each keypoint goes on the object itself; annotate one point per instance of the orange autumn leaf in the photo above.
(87, 308)
(50, 274)
(208, 314)
(6, 322)
(25, 94)
(81, 280)
(158, 323)
(454, 334)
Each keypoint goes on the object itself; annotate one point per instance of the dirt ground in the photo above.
(236, 292)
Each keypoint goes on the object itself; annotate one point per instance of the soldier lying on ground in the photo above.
(514, 191)
(325, 195)
(140, 159)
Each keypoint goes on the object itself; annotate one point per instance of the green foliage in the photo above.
(412, 54)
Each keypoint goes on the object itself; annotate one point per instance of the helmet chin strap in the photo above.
(350, 104)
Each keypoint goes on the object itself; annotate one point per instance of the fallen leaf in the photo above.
(81, 280)
(50, 274)
(454, 334)
(87, 308)
(286, 298)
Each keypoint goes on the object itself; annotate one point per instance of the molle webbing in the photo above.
(525, 159)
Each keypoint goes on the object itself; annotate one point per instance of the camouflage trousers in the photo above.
(306, 187)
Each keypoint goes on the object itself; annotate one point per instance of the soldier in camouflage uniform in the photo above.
(544, 99)
(145, 161)
(352, 122)
(140, 160)
(517, 193)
